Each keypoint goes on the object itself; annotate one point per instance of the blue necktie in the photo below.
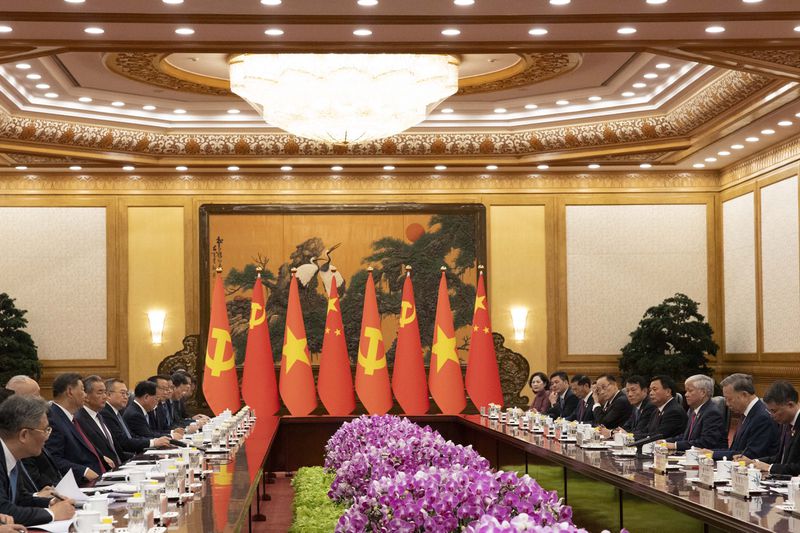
(12, 480)
(124, 426)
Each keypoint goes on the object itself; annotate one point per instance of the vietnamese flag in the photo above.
(220, 383)
(372, 376)
(297, 380)
(408, 377)
(259, 389)
(483, 377)
(447, 385)
(335, 378)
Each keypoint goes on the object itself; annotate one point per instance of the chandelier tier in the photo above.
(344, 98)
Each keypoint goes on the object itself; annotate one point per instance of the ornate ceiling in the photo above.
(678, 85)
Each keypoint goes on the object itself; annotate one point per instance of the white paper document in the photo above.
(58, 526)
(68, 487)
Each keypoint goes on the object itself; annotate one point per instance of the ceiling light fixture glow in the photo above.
(451, 32)
(337, 168)
(388, 167)
(715, 29)
(271, 2)
(117, 103)
(233, 111)
(75, 167)
(594, 166)
(181, 168)
(500, 110)
(699, 165)
(711, 159)
(273, 32)
(51, 95)
(542, 167)
(447, 110)
(491, 167)
(768, 131)
(21, 167)
(286, 168)
(149, 107)
(537, 32)
(663, 66)
(559, 2)
(42, 86)
(362, 32)
(737, 146)
(84, 99)
(93, 30)
(440, 167)
(184, 31)
(752, 139)
(723, 153)
(628, 94)
(129, 168)
(595, 98)
(785, 123)
(23, 66)
(627, 30)
(233, 168)
(531, 106)
(6, 29)
(367, 3)
(645, 165)
(34, 76)
(562, 102)
(463, 2)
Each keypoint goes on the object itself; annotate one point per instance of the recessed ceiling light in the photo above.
(367, 3)
(440, 167)
(337, 168)
(723, 153)
(491, 167)
(595, 98)
(767, 132)
(23, 66)
(715, 29)
(785, 123)
(447, 110)
(129, 168)
(559, 2)
(362, 32)
(650, 76)
(233, 168)
(752, 139)
(180, 111)
(711, 159)
(797, 28)
(699, 165)
(149, 107)
(388, 167)
(273, 32)
(21, 167)
(594, 166)
(656, 2)
(233, 111)
(639, 85)
(628, 94)
(42, 86)
(271, 2)
(500, 109)
(74, 1)
(117, 103)
(663, 66)
(751, 1)
(562, 102)
(93, 30)
(172, 1)
(181, 168)
(184, 31)
(6, 29)
(463, 2)
(51, 95)
(75, 167)
(84, 99)
(34, 76)
(645, 165)
(286, 168)
(451, 32)
(537, 31)
(737, 146)
(627, 30)
(531, 106)
(542, 167)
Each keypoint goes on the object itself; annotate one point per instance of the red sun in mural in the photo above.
(414, 231)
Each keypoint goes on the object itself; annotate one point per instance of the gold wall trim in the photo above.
(760, 163)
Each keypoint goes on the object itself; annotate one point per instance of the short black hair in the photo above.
(638, 380)
(143, 388)
(156, 377)
(542, 376)
(179, 378)
(610, 377)
(65, 381)
(781, 392)
(580, 379)
(561, 375)
(666, 382)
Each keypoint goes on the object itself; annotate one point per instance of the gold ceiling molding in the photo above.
(658, 181)
(35, 159)
(152, 69)
(783, 153)
(786, 58)
(534, 68)
(718, 97)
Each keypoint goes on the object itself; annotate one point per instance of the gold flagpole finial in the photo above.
(443, 268)
(218, 270)
(370, 269)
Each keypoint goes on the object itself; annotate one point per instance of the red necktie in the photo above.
(691, 424)
(89, 444)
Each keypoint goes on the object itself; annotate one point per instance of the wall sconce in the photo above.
(519, 316)
(156, 319)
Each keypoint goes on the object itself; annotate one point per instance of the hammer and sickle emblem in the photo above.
(371, 363)
(405, 316)
(257, 315)
(218, 364)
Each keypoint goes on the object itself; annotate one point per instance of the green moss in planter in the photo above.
(314, 512)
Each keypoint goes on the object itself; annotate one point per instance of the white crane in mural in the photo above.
(327, 272)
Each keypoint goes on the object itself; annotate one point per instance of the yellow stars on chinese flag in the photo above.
(444, 348)
(295, 350)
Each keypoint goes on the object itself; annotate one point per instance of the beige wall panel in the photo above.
(739, 253)
(780, 266)
(623, 259)
(155, 281)
(518, 278)
(54, 265)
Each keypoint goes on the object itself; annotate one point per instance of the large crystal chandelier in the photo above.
(344, 98)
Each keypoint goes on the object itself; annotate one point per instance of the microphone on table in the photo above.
(176, 442)
(646, 440)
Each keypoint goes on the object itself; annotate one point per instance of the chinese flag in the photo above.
(220, 384)
(483, 378)
(335, 379)
(259, 389)
(297, 380)
(372, 376)
(408, 378)
(447, 385)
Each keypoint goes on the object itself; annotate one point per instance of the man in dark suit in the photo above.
(94, 425)
(112, 415)
(23, 431)
(637, 390)
(161, 418)
(757, 434)
(706, 427)
(69, 445)
(562, 401)
(135, 415)
(611, 408)
(581, 387)
(669, 418)
(781, 401)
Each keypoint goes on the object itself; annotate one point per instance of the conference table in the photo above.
(604, 491)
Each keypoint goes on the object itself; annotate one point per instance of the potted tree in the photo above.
(18, 354)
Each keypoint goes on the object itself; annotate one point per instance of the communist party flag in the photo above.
(297, 380)
(220, 384)
(483, 377)
(335, 379)
(372, 376)
(447, 385)
(259, 389)
(408, 377)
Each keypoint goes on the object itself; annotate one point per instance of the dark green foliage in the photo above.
(18, 353)
(673, 338)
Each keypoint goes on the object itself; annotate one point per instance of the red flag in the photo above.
(221, 490)
(220, 383)
(408, 378)
(372, 376)
(259, 389)
(297, 380)
(335, 378)
(483, 377)
(258, 442)
(447, 385)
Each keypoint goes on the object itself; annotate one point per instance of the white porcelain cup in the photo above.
(86, 520)
(135, 476)
(97, 503)
(724, 469)
(166, 464)
(691, 457)
(619, 438)
(648, 448)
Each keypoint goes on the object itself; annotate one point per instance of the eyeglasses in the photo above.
(47, 431)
